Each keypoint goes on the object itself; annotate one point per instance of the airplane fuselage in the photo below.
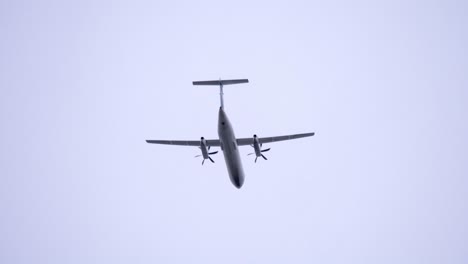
(230, 149)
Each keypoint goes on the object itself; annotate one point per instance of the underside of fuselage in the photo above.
(230, 149)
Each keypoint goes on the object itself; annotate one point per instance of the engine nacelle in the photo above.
(258, 148)
(203, 148)
(205, 151)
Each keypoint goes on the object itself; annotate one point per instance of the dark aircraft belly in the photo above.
(230, 150)
(234, 166)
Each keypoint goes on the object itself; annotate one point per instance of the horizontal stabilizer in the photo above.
(221, 82)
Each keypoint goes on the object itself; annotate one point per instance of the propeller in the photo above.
(261, 155)
(209, 153)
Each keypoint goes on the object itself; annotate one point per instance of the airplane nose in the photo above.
(238, 185)
(238, 182)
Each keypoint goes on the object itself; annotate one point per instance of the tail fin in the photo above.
(221, 83)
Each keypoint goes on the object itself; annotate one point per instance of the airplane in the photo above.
(227, 140)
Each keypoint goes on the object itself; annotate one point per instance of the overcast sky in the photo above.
(382, 83)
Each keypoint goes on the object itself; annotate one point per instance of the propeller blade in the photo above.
(197, 156)
(203, 162)
(212, 153)
(250, 154)
(209, 147)
(265, 150)
(256, 159)
(211, 159)
(264, 157)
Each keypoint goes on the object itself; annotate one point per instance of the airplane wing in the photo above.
(217, 143)
(196, 143)
(249, 141)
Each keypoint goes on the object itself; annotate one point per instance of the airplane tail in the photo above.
(221, 83)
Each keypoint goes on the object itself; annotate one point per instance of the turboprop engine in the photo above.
(258, 148)
(205, 151)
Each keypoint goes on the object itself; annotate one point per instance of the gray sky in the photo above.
(383, 85)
